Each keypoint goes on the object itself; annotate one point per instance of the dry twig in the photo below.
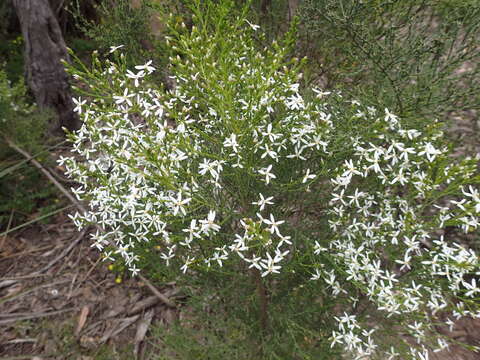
(64, 252)
(30, 316)
(47, 174)
(8, 228)
(157, 293)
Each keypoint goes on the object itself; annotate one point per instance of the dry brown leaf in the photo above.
(89, 342)
(143, 326)
(118, 327)
(82, 319)
(142, 329)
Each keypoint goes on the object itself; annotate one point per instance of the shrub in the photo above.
(416, 57)
(327, 213)
(21, 122)
(119, 23)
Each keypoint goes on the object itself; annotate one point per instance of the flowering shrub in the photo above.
(236, 171)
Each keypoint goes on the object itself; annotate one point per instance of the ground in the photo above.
(58, 305)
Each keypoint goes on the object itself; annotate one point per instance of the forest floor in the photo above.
(62, 302)
(58, 300)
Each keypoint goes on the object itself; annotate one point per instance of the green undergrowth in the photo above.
(414, 57)
(23, 189)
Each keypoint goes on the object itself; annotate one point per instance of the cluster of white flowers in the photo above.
(387, 242)
(199, 172)
(170, 167)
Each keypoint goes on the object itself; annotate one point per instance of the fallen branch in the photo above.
(28, 291)
(47, 174)
(21, 341)
(118, 328)
(143, 305)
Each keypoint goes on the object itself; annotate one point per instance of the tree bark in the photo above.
(44, 50)
(265, 6)
(292, 9)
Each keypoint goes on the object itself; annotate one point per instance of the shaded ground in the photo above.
(76, 309)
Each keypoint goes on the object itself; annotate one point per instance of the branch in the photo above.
(47, 174)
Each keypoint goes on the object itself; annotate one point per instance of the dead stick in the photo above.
(64, 252)
(154, 290)
(28, 291)
(47, 174)
(34, 316)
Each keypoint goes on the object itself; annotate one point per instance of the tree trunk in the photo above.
(265, 6)
(292, 9)
(44, 48)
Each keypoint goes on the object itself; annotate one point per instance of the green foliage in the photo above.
(415, 57)
(119, 24)
(20, 119)
(83, 47)
(6, 10)
(219, 322)
(12, 50)
(22, 187)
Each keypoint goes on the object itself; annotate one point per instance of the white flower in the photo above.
(350, 169)
(125, 98)
(231, 142)
(115, 48)
(266, 172)
(263, 201)
(316, 276)
(209, 224)
(320, 93)
(179, 204)
(389, 117)
(136, 76)
(254, 262)
(79, 103)
(187, 263)
(308, 176)
(208, 166)
(336, 338)
(146, 66)
(192, 230)
(472, 288)
(269, 265)
(474, 195)
(430, 151)
(253, 26)
(284, 239)
(273, 228)
(268, 133)
(295, 102)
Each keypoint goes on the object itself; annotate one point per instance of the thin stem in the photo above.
(262, 297)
